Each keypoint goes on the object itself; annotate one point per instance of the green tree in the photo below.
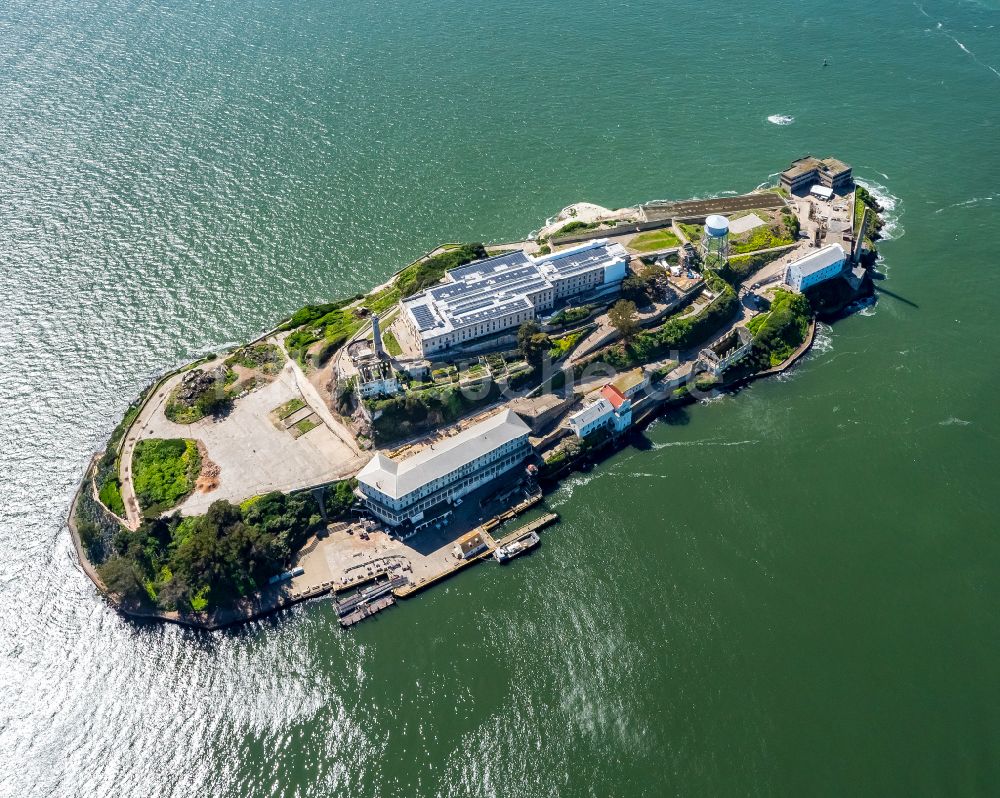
(340, 498)
(214, 401)
(635, 289)
(532, 342)
(122, 577)
(624, 319)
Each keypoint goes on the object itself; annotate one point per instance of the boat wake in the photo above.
(780, 119)
(704, 442)
(568, 486)
(967, 203)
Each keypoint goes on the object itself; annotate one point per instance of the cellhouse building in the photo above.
(442, 472)
(823, 264)
(488, 296)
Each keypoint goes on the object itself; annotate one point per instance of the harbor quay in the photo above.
(378, 444)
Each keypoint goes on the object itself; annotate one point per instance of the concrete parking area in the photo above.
(254, 454)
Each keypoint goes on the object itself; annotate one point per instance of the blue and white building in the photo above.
(444, 471)
(612, 411)
(816, 267)
(488, 296)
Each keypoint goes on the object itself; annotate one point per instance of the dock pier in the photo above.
(492, 544)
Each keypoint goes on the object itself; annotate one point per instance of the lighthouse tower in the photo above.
(377, 337)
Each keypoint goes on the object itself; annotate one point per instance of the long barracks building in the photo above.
(445, 471)
(495, 294)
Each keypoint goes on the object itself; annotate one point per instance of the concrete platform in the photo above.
(254, 454)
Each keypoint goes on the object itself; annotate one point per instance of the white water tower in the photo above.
(715, 239)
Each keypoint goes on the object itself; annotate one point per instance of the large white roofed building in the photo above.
(488, 296)
(823, 264)
(444, 471)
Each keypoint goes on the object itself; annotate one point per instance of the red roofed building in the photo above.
(622, 406)
(613, 410)
(613, 395)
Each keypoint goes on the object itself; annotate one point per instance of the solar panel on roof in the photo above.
(489, 264)
(425, 319)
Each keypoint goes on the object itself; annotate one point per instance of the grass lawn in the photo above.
(692, 231)
(653, 240)
(164, 472)
(391, 344)
(383, 300)
(759, 238)
(289, 407)
(305, 425)
(111, 496)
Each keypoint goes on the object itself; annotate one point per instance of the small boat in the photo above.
(516, 547)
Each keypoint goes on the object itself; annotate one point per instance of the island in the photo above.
(370, 447)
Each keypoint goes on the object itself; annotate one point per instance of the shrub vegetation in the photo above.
(739, 268)
(201, 562)
(563, 346)
(111, 496)
(339, 498)
(676, 332)
(424, 273)
(164, 472)
(334, 323)
(575, 227)
(693, 232)
(763, 237)
(264, 357)
(778, 333)
(570, 316)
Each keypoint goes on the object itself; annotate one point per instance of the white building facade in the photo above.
(823, 264)
(612, 412)
(445, 471)
(488, 296)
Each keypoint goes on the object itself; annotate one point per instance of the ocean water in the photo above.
(787, 591)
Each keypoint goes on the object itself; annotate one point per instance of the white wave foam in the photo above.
(892, 210)
(972, 55)
(953, 421)
(780, 119)
(863, 307)
(823, 340)
(940, 28)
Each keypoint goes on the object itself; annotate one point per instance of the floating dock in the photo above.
(365, 603)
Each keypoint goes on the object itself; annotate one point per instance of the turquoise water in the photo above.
(788, 591)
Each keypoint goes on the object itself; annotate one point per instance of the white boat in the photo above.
(516, 547)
